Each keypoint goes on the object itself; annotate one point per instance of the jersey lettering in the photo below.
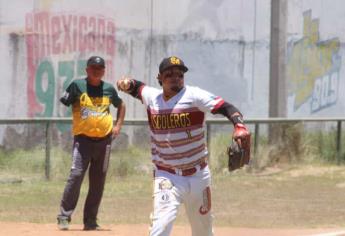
(170, 121)
(178, 127)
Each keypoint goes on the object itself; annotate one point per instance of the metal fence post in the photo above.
(256, 138)
(339, 141)
(50, 121)
(48, 147)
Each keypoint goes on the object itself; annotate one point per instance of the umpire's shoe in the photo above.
(90, 224)
(63, 222)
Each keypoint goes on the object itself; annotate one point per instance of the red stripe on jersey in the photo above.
(175, 122)
(182, 166)
(192, 164)
(180, 155)
(177, 142)
(169, 131)
(218, 105)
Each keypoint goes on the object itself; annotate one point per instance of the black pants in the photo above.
(87, 152)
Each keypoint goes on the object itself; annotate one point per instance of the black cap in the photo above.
(171, 62)
(96, 60)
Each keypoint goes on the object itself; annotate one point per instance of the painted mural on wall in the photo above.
(58, 45)
(313, 68)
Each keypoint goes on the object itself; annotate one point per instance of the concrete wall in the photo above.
(315, 60)
(225, 43)
(44, 45)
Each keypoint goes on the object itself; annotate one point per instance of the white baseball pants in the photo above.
(170, 191)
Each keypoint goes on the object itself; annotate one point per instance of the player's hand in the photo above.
(241, 134)
(116, 132)
(125, 84)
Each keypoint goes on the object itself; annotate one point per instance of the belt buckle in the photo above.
(190, 171)
(178, 171)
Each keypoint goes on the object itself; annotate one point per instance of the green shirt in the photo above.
(90, 107)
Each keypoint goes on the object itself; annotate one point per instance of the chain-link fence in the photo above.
(36, 148)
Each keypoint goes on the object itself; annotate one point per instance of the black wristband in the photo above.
(237, 119)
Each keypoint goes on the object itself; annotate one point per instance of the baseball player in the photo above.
(176, 116)
(93, 132)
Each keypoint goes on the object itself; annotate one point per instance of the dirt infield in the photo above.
(29, 229)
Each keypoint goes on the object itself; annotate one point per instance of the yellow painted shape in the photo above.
(310, 59)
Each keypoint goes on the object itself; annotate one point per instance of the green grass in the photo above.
(306, 196)
(30, 164)
(282, 199)
(306, 192)
(299, 147)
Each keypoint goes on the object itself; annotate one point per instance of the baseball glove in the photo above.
(238, 156)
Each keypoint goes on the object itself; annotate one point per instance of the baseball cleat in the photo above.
(91, 225)
(63, 222)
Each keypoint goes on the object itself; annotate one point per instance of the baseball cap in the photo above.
(96, 60)
(170, 62)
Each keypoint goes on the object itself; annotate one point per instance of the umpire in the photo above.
(93, 132)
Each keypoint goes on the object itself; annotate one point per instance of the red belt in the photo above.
(183, 172)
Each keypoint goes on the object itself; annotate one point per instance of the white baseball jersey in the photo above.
(178, 125)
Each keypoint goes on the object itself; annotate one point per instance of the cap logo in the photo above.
(175, 61)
